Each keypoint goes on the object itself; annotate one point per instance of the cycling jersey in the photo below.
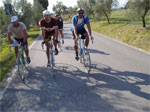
(50, 24)
(17, 31)
(80, 21)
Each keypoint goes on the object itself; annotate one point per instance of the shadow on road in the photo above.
(121, 80)
(68, 92)
(72, 90)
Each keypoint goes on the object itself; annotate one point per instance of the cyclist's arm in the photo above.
(89, 29)
(75, 30)
(25, 35)
(56, 31)
(43, 33)
(9, 37)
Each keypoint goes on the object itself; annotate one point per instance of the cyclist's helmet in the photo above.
(14, 19)
(79, 9)
(46, 12)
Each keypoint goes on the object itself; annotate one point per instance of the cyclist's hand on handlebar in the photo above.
(91, 37)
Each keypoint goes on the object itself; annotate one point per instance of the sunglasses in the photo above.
(81, 13)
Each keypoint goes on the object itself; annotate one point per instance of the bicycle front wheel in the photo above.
(22, 69)
(87, 61)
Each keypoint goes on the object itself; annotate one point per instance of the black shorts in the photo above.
(60, 27)
(20, 41)
(80, 32)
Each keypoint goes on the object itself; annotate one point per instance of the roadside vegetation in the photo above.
(125, 30)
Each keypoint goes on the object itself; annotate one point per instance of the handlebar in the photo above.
(16, 45)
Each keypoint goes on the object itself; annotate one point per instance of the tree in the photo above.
(37, 9)
(98, 8)
(4, 21)
(44, 3)
(104, 8)
(59, 8)
(138, 9)
(24, 11)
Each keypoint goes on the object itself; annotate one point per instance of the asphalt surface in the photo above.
(118, 82)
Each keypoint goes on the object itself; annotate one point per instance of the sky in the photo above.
(67, 3)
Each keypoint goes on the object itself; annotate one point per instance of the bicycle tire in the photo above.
(22, 68)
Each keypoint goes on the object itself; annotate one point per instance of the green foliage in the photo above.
(98, 8)
(138, 9)
(125, 30)
(59, 8)
(4, 21)
(24, 11)
(38, 9)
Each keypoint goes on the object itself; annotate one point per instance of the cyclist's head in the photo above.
(57, 16)
(46, 15)
(80, 11)
(14, 19)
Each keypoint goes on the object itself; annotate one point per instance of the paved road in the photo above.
(119, 80)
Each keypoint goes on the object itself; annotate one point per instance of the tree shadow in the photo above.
(67, 92)
(122, 80)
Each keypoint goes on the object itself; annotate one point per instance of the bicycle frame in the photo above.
(84, 55)
(51, 56)
(21, 63)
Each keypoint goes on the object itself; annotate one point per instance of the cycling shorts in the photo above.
(80, 32)
(20, 41)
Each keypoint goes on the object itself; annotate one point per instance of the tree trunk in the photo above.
(106, 16)
(143, 17)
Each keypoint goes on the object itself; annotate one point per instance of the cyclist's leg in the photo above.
(85, 34)
(47, 50)
(16, 51)
(62, 35)
(55, 43)
(26, 49)
(16, 48)
(75, 46)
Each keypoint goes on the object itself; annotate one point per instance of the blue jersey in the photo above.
(81, 21)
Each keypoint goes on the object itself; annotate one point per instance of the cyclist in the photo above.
(18, 29)
(60, 26)
(78, 21)
(49, 28)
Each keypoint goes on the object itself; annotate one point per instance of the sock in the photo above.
(76, 53)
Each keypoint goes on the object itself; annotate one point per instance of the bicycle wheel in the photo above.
(22, 68)
(81, 55)
(87, 61)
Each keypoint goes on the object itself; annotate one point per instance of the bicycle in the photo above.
(21, 60)
(84, 54)
(51, 53)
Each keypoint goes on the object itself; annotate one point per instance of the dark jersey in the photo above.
(52, 23)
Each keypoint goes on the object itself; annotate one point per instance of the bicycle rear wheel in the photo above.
(87, 61)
